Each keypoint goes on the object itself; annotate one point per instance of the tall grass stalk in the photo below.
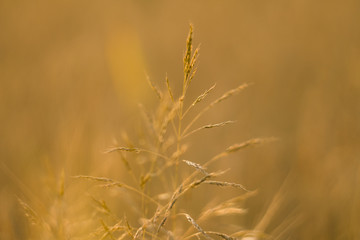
(159, 176)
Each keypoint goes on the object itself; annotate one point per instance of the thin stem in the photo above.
(222, 98)
(196, 118)
(118, 184)
(137, 150)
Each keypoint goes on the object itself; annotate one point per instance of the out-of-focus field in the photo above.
(73, 72)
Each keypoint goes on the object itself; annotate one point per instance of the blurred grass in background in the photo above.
(73, 72)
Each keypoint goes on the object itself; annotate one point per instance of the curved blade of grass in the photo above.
(169, 88)
(225, 96)
(248, 143)
(199, 99)
(237, 147)
(154, 88)
(135, 150)
(111, 183)
(227, 184)
(196, 166)
(192, 221)
(108, 233)
(215, 125)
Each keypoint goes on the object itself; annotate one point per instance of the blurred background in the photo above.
(73, 72)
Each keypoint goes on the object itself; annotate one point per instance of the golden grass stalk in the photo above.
(229, 211)
(189, 62)
(196, 166)
(197, 227)
(251, 142)
(123, 236)
(129, 229)
(108, 233)
(199, 99)
(112, 183)
(102, 206)
(158, 155)
(171, 204)
(160, 151)
(237, 147)
(222, 235)
(215, 125)
(127, 149)
(211, 105)
(230, 93)
(154, 88)
(168, 118)
(227, 184)
(181, 191)
(231, 203)
(135, 150)
(169, 88)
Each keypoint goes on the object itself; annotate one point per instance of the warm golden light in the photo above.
(106, 132)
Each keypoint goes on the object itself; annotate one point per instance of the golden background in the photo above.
(73, 72)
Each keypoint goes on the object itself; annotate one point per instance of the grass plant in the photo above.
(158, 177)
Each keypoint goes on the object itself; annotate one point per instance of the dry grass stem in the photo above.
(169, 88)
(215, 125)
(199, 99)
(192, 221)
(227, 184)
(102, 206)
(135, 150)
(126, 149)
(147, 119)
(129, 229)
(170, 205)
(154, 181)
(112, 183)
(230, 93)
(251, 142)
(196, 166)
(236, 147)
(108, 233)
(229, 211)
(153, 87)
(222, 235)
(169, 117)
(222, 98)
